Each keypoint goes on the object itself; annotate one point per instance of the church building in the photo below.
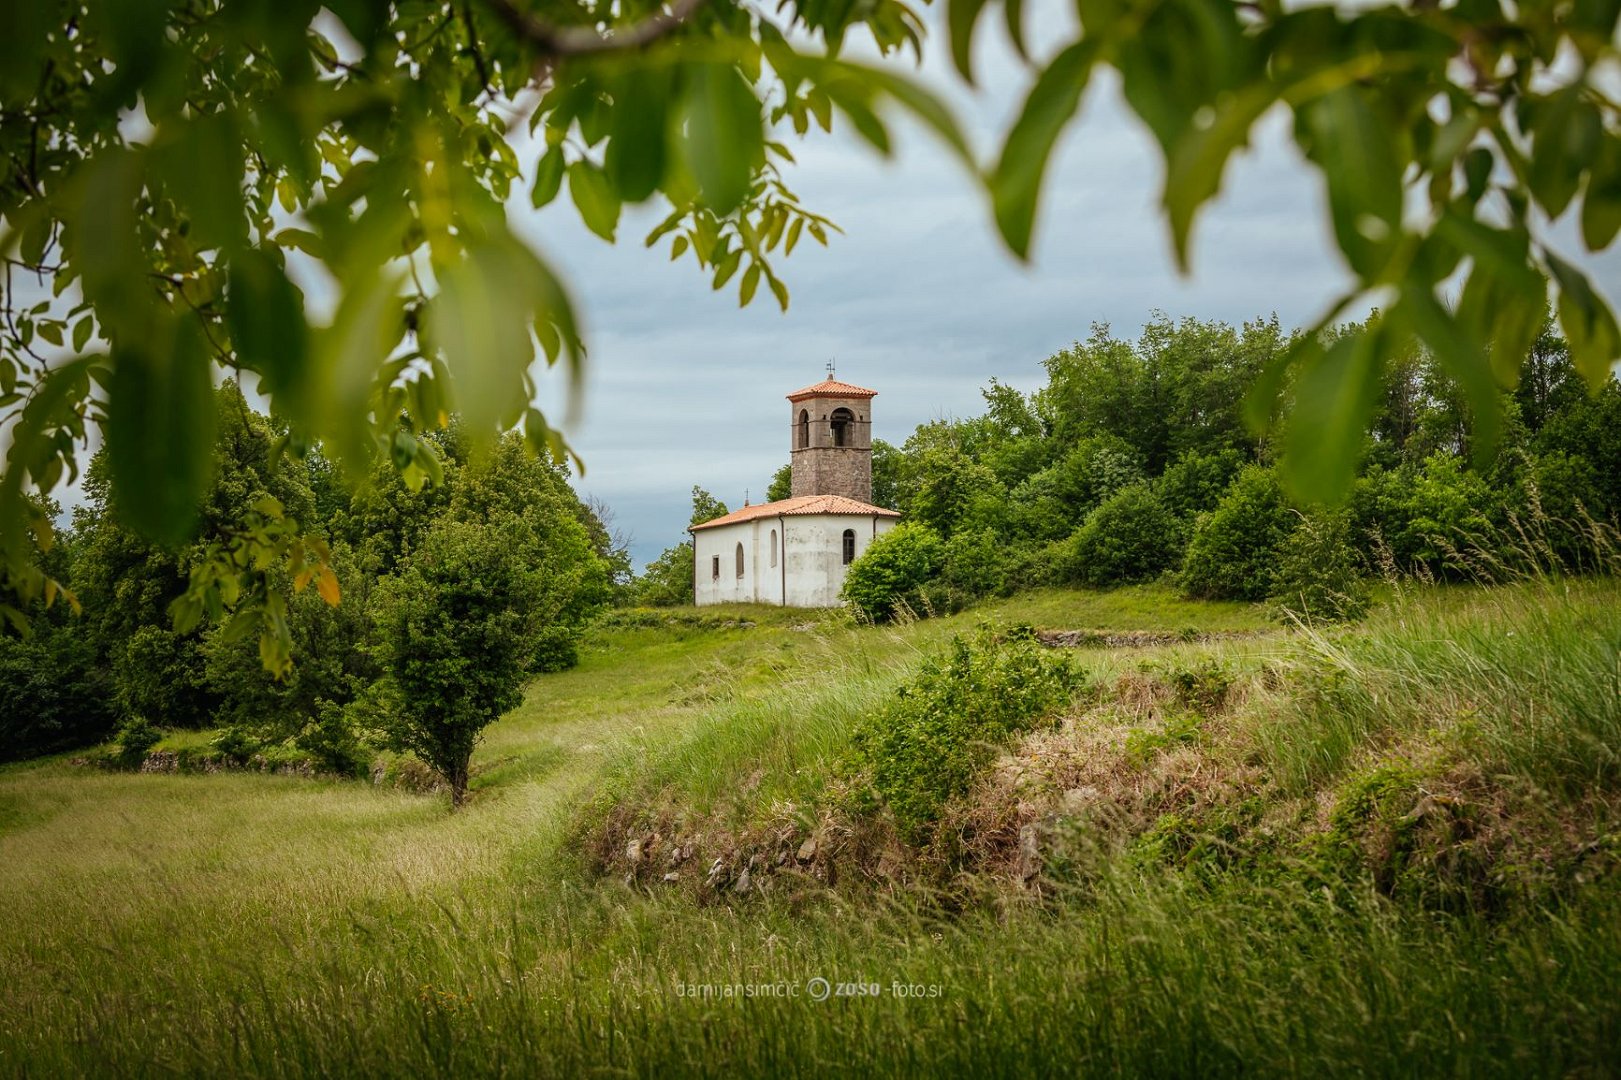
(794, 551)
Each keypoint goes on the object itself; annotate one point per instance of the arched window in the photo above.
(802, 438)
(773, 547)
(849, 546)
(740, 560)
(843, 422)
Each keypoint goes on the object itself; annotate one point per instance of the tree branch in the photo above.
(555, 41)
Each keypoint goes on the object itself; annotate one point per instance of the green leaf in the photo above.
(82, 331)
(201, 167)
(488, 302)
(1195, 166)
(1016, 183)
(1013, 13)
(548, 177)
(1601, 205)
(1334, 395)
(920, 103)
(50, 330)
(365, 330)
(265, 314)
(1460, 354)
(594, 197)
(635, 157)
(160, 431)
(961, 15)
(1505, 298)
(751, 282)
(23, 28)
(1589, 325)
(725, 141)
(1357, 157)
(1565, 139)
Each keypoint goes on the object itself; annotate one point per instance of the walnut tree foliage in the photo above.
(163, 161)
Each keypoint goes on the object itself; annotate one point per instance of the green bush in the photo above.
(892, 570)
(332, 741)
(135, 738)
(1432, 516)
(944, 726)
(977, 563)
(1318, 573)
(1234, 549)
(1130, 537)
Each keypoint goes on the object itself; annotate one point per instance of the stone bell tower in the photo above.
(831, 439)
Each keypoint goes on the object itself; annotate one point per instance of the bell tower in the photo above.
(830, 427)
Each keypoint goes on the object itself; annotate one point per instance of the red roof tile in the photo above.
(805, 504)
(832, 388)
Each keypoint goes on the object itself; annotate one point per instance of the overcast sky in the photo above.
(918, 299)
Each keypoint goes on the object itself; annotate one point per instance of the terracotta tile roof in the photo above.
(832, 388)
(805, 504)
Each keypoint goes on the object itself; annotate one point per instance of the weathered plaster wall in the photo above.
(812, 549)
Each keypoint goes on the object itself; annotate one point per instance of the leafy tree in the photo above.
(950, 490)
(1131, 536)
(886, 475)
(458, 632)
(892, 570)
(1233, 552)
(782, 483)
(1194, 483)
(1053, 502)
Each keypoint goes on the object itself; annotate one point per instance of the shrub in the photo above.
(1131, 536)
(1233, 552)
(944, 726)
(1429, 514)
(135, 738)
(976, 563)
(892, 569)
(1318, 573)
(332, 741)
(163, 674)
(235, 745)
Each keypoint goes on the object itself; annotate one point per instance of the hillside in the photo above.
(1239, 847)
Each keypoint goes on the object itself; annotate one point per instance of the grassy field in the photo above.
(270, 925)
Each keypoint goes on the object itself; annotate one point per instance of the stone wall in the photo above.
(828, 470)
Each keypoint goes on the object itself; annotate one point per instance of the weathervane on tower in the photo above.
(830, 369)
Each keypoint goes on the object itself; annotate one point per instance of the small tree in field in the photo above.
(458, 634)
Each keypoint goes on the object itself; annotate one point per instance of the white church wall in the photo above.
(810, 559)
(760, 582)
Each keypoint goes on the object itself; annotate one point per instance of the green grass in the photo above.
(267, 925)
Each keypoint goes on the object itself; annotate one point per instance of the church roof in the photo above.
(805, 504)
(831, 388)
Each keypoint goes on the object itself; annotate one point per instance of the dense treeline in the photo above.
(1137, 460)
(493, 569)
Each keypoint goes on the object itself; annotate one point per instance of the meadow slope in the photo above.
(1387, 848)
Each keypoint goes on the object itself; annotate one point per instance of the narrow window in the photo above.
(773, 547)
(843, 422)
(740, 560)
(804, 429)
(714, 568)
(849, 546)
